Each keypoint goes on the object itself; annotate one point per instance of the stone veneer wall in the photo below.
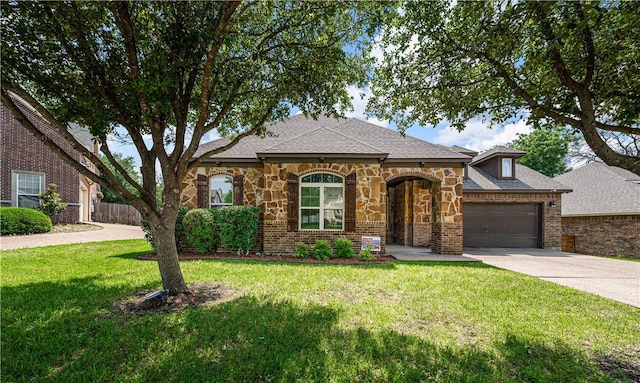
(605, 235)
(551, 232)
(266, 188)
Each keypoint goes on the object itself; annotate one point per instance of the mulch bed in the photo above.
(273, 258)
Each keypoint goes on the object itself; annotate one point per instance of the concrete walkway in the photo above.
(109, 232)
(408, 253)
(610, 278)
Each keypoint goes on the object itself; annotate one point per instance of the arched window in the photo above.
(321, 202)
(220, 191)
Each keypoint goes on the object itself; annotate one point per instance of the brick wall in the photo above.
(21, 151)
(605, 235)
(551, 224)
(277, 240)
(447, 238)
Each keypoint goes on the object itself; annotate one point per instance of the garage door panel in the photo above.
(501, 225)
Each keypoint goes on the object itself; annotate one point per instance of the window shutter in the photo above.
(238, 190)
(293, 202)
(350, 203)
(203, 191)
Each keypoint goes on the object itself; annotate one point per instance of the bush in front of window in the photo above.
(22, 220)
(201, 230)
(50, 201)
(322, 250)
(302, 250)
(238, 228)
(344, 248)
(148, 235)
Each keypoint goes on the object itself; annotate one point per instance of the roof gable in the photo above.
(498, 151)
(350, 138)
(599, 189)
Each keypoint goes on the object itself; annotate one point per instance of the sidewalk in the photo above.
(109, 232)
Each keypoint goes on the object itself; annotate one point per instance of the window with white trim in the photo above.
(28, 187)
(321, 202)
(507, 166)
(220, 191)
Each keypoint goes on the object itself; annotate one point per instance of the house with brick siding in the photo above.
(602, 215)
(330, 178)
(28, 166)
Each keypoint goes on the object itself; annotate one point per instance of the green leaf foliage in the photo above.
(547, 150)
(322, 250)
(20, 220)
(344, 247)
(128, 164)
(50, 201)
(567, 63)
(302, 250)
(201, 229)
(366, 254)
(239, 228)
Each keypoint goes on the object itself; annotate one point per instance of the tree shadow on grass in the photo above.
(54, 332)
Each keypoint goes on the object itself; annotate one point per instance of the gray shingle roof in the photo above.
(497, 151)
(347, 137)
(527, 180)
(599, 189)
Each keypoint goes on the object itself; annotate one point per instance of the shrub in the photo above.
(201, 229)
(366, 254)
(50, 201)
(302, 250)
(238, 228)
(179, 231)
(20, 220)
(322, 250)
(344, 248)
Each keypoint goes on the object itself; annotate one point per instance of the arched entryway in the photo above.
(410, 210)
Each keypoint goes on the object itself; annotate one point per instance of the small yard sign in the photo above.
(375, 241)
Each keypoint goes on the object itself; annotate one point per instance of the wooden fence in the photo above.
(115, 213)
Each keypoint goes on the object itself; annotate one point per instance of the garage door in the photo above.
(501, 225)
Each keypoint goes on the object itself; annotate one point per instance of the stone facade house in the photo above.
(602, 215)
(329, 178)
(509, 205)
(28, 166)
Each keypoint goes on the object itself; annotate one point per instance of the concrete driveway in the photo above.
(610, 278)
(109, 232)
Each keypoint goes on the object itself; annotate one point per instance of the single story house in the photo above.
(328, 178)
(28, 166)
(602, 215)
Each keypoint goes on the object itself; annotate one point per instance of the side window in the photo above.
(220, 191)
(28, 186)
(321, 202)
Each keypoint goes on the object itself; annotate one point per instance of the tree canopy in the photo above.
(570, 63)
(168, 73)
(547, 150)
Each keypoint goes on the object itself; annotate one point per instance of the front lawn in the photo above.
(405, 322)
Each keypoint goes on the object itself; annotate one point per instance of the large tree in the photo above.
(173, 72)
(569, 63)
(547, 150)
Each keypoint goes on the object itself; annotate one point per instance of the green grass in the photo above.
(404, 322)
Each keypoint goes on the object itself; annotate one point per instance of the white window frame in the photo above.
(509, 168)
(15, 176)
(322, 186)
(213, 205)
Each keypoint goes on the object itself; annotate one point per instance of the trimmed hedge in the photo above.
(344, 248)
(20, 220)
(238, 228)
(201, 229)
(322, 250)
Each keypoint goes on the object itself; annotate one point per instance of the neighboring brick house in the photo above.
(602, 215)
(327, 178)
(28, 166)
(509, 205)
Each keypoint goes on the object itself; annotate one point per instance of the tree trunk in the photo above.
(167, 253)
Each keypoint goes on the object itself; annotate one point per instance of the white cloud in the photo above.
(360, 97)
(477, 136)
